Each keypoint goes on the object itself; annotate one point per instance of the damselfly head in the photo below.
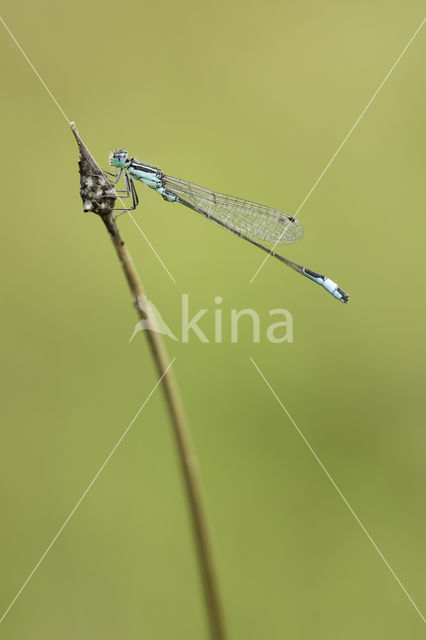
(118, 158)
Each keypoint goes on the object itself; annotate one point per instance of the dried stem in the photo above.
(98, 195)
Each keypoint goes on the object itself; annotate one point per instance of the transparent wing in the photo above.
(254, 220)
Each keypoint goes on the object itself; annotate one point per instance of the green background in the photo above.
(252, 99)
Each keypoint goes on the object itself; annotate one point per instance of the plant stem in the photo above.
(99, 196)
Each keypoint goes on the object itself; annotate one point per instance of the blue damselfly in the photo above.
(256, 223)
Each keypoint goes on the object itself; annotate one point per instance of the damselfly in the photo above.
(259, 225)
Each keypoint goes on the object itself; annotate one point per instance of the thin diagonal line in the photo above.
(150, 245)
(68, 121)
(345, 139)
(34, 69)
(363, 112)
(76, 506)
(340, 493)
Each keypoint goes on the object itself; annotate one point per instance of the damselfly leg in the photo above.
(114, 175)
(129, 191)
(117, 177)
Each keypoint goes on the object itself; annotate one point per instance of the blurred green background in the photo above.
(251, 99)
